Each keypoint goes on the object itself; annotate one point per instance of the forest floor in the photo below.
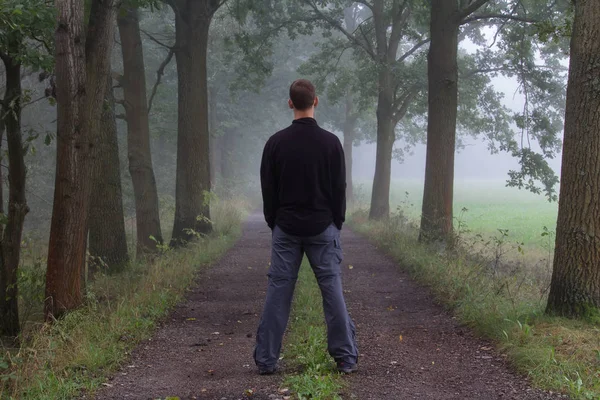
(410, 347)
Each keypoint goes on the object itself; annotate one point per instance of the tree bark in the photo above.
(575, 287)
(108, 242)
(349, 136)
(227, 164)
(442, 66)
(138, 134)
(192, 208)
(380, 196)
(214, 145)
(82, 64)
(17, 204)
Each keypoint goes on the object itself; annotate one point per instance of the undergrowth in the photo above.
(305, 350)
(500, 302)
(78, 352)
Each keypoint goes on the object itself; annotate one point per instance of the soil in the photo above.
(410, 347)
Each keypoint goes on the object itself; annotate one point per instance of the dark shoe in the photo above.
(267, 370)
(346, 368)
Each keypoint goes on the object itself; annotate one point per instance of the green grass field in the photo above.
(490, 206)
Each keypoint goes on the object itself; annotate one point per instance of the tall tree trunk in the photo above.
(138, 133)
(349, 135)
(5, 321)
(17, 205)
(192, 208)
(108, 242)
(575, 288)
(442, 66)
(227, 163)
(82, 65)
(386, 136)
(215, 160)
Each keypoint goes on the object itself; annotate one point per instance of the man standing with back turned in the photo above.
(303, 179)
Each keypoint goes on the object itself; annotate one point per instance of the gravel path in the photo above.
(410, 348)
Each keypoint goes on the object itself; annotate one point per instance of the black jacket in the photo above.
(303, 179)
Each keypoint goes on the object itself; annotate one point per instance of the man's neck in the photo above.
(310, 113)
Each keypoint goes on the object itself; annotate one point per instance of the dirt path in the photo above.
(204, 349)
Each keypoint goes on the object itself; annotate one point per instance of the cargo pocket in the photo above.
(337, 249)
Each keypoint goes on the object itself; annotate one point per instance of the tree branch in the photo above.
(155, 40)
(406, 101)
(471, 8)
(416, 47)
(340, 28)
(159, 73)
(399, 20)
(498, 16)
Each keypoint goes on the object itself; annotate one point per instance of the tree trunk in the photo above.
(108, 242)
(380, 196)
(6, 323)
(82, 65)
(349, 135)
(215, 160)
(17, 205)
(192, 208)
(575, 288)
(436, 217)
(227, 164)
(138, 134)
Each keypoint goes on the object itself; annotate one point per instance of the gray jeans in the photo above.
(324, 252)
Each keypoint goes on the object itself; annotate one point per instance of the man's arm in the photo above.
(269, 186)
(338, 169)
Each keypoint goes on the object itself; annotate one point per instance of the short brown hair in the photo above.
(302, 94)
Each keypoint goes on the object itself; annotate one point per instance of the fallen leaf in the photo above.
(249, 392)
(400, 337)
(191, 319)
(211, 371)
(350, 267)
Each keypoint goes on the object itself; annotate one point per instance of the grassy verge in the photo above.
(504, 305)
(77, 353)
(306, 345)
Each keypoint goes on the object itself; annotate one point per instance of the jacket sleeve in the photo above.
(268, 186)
(338, 178)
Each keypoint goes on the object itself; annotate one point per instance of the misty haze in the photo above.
(299, 199)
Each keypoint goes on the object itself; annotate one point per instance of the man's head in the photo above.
(302, 96)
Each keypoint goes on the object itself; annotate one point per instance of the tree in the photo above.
(133, 81)
(192, 206)
(82, 66)
(387, 44)
(443, 79)
(575, 287)
(23, 23)
(108, 242)
(442, 70)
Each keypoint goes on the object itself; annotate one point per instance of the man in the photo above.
(303, 180)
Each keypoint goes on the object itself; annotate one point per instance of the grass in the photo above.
(78, 352)
(504, 304)
(306, 345)
(490, 206)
